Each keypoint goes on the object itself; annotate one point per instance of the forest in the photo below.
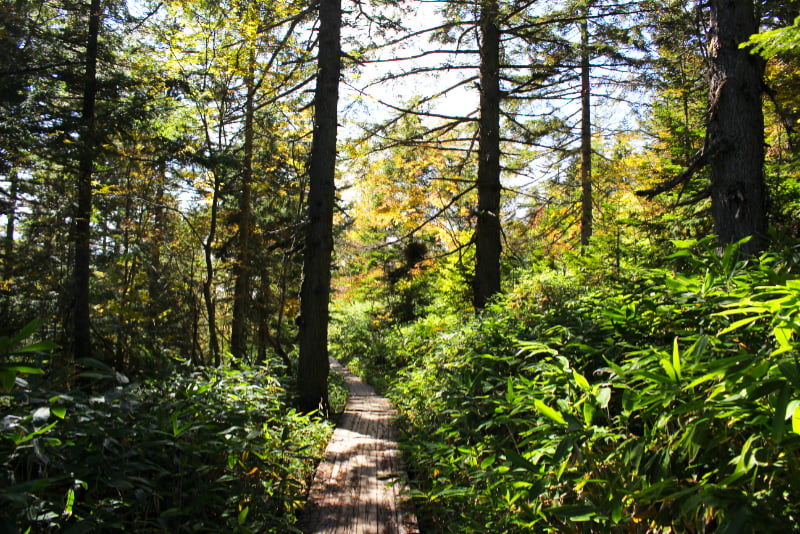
(561, 237)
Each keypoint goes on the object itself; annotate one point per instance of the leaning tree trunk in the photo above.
(487, 231)
(736, 127)
(81, 335)
(586, 139)
(313, 366)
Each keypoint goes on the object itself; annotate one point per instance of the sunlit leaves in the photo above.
(136, 456)
(643, 403)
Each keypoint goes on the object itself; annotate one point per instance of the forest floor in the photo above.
(357, 488)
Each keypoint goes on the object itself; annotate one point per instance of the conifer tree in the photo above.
(313, 365)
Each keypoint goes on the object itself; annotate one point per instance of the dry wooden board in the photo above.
(357, 487)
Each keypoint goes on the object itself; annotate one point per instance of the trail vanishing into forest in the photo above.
(357, 487)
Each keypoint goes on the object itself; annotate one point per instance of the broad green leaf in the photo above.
(487, 462)
(27, 331)
(549, 412)
(796, 420)
(588, 413)
(784, 338)
(603, 397)
(698, 348)
(243, 515)
(520, 461)
(670, 370)
(779, 420)
(581, 381)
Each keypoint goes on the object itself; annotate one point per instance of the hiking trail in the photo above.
(357, 486)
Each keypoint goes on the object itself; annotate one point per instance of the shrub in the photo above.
(665, 404)
(208, 451)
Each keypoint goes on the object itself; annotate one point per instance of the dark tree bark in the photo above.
(208, 283)
(488, 244)
(155, 285)
(81, 335)
(736, 127)
(313, 366)
(586, 139)
(241, 293)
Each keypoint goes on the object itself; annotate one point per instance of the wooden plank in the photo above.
(352, 492)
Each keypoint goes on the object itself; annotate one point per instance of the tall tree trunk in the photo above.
(736, 127)
(586, 138)
(208, 283)
(195, 354)
(313, 366)
(241, 293)
(8, 250)
(11, 219)
(155, 285)
(487, 231)
(81, 325)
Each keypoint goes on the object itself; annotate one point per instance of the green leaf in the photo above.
(40, 346)
(670, 370)
(676, 359)
(69, 502)
(7, 379)
(588, 412)
(779, 420)
(784, 338)
(487, 462)
(26, 332)
(96, 364)
(684, 243)
(520, 461)
(796, 420)
(25, 369)
(243, 515)
(575, 512)
(738, 324)
(549, 412)
(705, 378)
(581, 381)
(603, 397)
(22, 439)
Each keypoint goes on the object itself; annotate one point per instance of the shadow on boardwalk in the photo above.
(355, 489)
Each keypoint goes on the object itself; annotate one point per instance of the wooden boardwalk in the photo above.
(353, 490)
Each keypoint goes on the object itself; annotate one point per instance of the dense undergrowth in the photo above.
(669, 402)
(203, 451)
